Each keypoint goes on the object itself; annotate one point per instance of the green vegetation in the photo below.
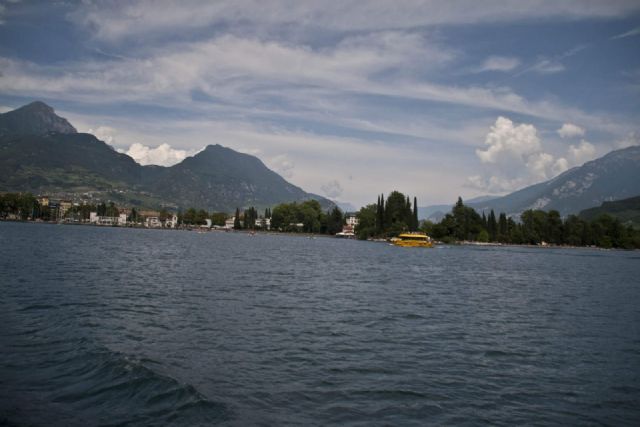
(535, 227)
(394, 216)
(627, 211)
(388, 218)
(19, 206)
(307, 217)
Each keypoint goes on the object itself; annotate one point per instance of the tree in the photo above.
(380, 219)
(335, 221)
(101, 209)
(112, 210)
(553, 228)
(367, 218)
(237, 225)
(250, 217)
(503, 228)
(415, 214)
(218, 218)
(189, 217)
(397, 213)
(492, 226)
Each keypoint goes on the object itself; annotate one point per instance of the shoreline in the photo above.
(314, 235)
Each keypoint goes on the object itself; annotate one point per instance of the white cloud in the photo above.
(547, 66)
(332, 189)
(581, 153)
(509, 143)
(630, 140)
(569, 130)
(499, 63)
(147, 17)
(282, 164)
(516, 158)
(630, 33)
(247, 74)
(162, 155)
(104, 133)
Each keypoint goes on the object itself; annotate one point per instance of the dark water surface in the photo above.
(106, 326)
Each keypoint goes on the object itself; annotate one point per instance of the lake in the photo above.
(109, 326)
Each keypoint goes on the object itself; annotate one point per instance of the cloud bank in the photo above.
(516, 157)
(162, 155)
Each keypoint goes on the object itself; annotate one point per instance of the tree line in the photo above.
(390, 217)
(535, 227)
(307, 217)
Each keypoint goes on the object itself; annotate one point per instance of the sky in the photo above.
(346, 99)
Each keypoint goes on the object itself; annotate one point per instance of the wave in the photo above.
(111, 388)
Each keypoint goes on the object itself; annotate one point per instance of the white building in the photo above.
(229, 222)
(264, 223)
(153, 222)
(120, 220)
(352, 220)
(172, 221)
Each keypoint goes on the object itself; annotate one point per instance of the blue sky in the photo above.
(346, 99)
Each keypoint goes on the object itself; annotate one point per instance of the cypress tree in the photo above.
(383, 215)
(378, 216)
(415, 214)
(236, 221)
(503, 227)
(408, 214)
(492, 226)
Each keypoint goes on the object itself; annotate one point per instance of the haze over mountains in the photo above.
(43, 153)
(614, 176)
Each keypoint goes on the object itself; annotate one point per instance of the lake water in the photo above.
(107, 326)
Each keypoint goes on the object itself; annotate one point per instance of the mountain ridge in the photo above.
(614, 176)
(53, 157)
(36, 118)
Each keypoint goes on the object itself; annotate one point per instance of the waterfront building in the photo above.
(171, 222)
(120, 220)
(153, 222)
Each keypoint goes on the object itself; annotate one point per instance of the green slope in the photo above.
(627, 211)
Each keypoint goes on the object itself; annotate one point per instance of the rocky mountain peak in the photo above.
(36, 118)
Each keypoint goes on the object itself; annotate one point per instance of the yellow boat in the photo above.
(413, 240)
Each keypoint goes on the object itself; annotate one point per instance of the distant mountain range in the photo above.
(614, 176)
(436, 212)
(43, 153)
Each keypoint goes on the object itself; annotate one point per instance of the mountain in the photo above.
(436, 212)
(223, 179)
(611, 177)
(346, 206)
(42, 153)
(36, 118)
(61, 162)
(627, 211)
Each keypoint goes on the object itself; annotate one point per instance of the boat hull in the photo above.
(413, 244)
